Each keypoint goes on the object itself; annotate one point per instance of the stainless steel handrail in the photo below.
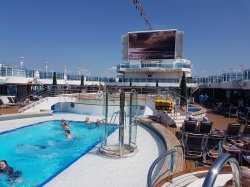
(150, 183)
(217, 166)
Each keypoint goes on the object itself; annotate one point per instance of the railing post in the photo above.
(219, 148)
(172, 162)
(121, 122)
(106, 119)
(130, 115)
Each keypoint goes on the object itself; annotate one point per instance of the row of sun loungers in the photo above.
(243, 114)
(201, 142)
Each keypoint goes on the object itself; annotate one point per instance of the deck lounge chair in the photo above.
(245, 157)
(246, 130)
(11, 100)
(218, 108)
(5, 101)
(205, 127)
(194, 146)
(247, 118)
(2, 104)
(233, 130)
(188, 126)
(244, 117)
(233, 112)
(212, 145)
(226, 108)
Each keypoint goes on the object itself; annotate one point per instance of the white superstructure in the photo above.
(153, 57)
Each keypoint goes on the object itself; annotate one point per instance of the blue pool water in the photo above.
(41, 151)
(193, 109)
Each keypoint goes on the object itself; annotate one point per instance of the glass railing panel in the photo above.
(153, 65)
(9, 72)
(4, 71)
(21, 73)
(149, 80)
(15, 73)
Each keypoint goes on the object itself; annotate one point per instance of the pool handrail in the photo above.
(150, 183)
(217, 166)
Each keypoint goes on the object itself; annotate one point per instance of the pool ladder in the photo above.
(114, 115)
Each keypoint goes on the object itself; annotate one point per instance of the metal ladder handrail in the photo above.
(151, 183)
(22, 105)
(116, 113)
(217, 166)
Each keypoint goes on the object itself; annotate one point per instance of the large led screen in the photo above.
(151, 45)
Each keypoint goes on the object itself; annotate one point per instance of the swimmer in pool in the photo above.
(67, 134)
(65, 125)
(62, 121)
(87, 120)
(30, 147)
(98, 123)
(9, 172)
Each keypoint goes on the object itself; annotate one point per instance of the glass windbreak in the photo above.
(122, 119)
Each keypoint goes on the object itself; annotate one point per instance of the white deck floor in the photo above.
(97, 170)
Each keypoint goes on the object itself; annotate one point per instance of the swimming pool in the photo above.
(41, 151)
(193, 109)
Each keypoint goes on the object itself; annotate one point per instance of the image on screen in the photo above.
(152, 45)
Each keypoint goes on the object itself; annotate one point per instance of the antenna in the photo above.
(21, 60)
(46, 67)
(242, 67)
(140, 9)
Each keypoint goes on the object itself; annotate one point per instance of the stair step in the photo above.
(178, 121)
(183, 180)
(181, 117)
(176, 114)
(196, 179)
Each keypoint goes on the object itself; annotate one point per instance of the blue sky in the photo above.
(86, 35)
